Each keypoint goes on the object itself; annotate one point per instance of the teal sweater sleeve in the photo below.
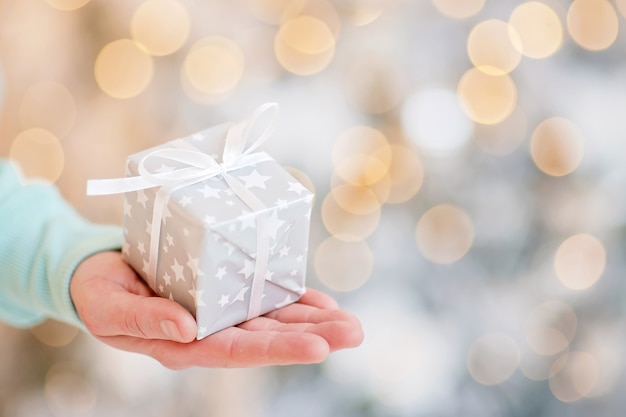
(42, 241)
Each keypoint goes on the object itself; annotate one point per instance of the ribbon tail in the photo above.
(117, 185)
(160, 201)
(260, 267)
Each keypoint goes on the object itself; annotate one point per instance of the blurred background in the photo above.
(468, 161)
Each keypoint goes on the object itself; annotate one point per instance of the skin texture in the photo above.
(119, 309)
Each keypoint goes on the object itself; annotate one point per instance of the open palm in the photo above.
(119, 309)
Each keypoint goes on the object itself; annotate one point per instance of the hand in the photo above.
(119, 309)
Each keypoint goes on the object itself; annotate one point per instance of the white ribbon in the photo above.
(199, 167)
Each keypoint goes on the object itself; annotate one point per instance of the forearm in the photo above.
(42, 241)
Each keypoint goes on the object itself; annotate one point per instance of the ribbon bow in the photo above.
(198, 167)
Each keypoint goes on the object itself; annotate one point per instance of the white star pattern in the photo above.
(192, 263)
(141, 248)
(241, 295)
(248, 268)
(170, 239)
(178, 271)
(284, 251)
(208, 192)
(161, 288)
(255, 180)
(166, 214)
(145, 267)
(209, 219)
(221, 272)
(141, 198)
(165, 249)
(269, 275)
(148, 227)
(197, 137)
(293, 272)
(127, 209)
(185, 201)
(299, 258)
(202, 330)
(281, 204)
(296, 187)
(224, 300)
(167, 278)
(230, 203)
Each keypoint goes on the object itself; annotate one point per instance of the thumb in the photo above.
(149, 318)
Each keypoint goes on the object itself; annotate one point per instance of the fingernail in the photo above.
(171, 331)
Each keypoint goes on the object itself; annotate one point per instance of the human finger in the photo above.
(319, 299)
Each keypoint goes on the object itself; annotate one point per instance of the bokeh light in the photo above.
(621, 6)
(539, 29)
(406, 174)
(576, 378)
(343, 266)
(505, 137)
(304, 45)
(434, 120)
(67, 5)
(361, 12)
(347, 226)
(50, 106)
(487, 99)
(123, 69)
(550, 327)
(69, 391)
(160, 26)
(459, 9)
(213, 67)
(378, 90)
(39, 154)
(361, 155)
(445, 233)
(493, 358)
(557, 146)
(275, 11)
(580, 261)
(54, 333)
(494, 47)
(592, 24)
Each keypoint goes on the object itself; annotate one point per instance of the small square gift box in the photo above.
(216, 226)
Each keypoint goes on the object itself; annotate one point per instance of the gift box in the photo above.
(215, 225)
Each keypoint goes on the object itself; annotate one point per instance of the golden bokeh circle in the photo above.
(494, 47)
(580, 261)
(592, 24)
(361, 155)
(347, 226)
(444, 234)
(343, 266)
(459, 9)
(161, 26)
(356, 199)
(487, 99)
(304, 45)
(493, 358)
(406, 174)
(54, 333)
(539, 28)
(39, 154)
(550, 327)
(275, 12)
(67, 5)
(214, 65)
(557, 146)
(577, 375)
(50, 106)
(123, 69)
